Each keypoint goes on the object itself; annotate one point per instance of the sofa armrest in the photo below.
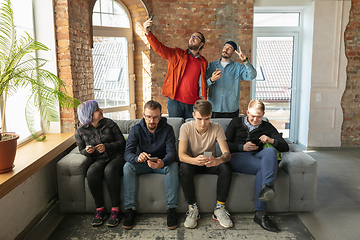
(302, 170)
(71, 172)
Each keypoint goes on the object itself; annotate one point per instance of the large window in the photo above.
(113, 60)
(15, 108)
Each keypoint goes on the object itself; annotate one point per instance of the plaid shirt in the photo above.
(107, 133)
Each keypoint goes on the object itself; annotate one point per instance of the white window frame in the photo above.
(294, 32)
(101, 31)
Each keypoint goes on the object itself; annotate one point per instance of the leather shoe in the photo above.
(266, 223)
(267, 193)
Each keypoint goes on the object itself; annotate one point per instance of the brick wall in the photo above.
(74, 54)
(218, 20)
(350, 133)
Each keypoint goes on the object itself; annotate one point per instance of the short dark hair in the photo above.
(152, 105)
(203, 107)
(202, 39)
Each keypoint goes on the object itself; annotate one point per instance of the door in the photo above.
(275, 85)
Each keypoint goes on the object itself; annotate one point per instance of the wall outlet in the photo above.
(318, 97)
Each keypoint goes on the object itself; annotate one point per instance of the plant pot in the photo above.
(8, 149)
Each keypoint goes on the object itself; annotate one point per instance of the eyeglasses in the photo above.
(156, 118)
(195, 37)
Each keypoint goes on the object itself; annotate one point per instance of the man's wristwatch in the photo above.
(246, 59)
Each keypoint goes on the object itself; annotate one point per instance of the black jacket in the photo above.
(237, 134)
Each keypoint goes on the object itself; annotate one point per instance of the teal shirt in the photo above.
(224, 93)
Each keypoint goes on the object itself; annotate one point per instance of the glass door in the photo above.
(275, 85)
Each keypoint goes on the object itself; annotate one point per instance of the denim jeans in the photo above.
(179, 109)
(130, 182)
(187, 172)
(111, 171)
(263, 164)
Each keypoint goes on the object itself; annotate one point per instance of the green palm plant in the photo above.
(20, 68)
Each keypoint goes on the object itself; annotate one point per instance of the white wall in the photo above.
(328, 75)
(26, 201)
(307, 24)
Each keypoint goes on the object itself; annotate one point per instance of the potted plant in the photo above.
(19, 68)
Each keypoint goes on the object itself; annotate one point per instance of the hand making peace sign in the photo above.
(241, 55)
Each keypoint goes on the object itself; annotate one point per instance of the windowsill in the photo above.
(33, 156)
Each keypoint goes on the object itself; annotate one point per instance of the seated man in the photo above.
(246, 137)
(197, 137)
(150, 148)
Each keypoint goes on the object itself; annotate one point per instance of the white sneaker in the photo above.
(192, 215)
(223, 217)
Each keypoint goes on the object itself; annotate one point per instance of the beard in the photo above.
(225, 55)
(194, 47)
(152, 127)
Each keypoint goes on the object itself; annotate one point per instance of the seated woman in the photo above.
(101, 139)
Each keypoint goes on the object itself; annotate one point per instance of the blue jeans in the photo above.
(179, 109)
(130, 182)
(263, 164)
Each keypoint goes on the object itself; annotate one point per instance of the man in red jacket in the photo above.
(185, 80)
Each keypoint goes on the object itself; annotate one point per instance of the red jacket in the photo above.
(177, 59)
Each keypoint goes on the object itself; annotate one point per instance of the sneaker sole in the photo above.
(100, 223)
(113, 225)
(195, 224)
(214, 217)
(269, 196)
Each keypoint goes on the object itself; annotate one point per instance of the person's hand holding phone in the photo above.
(216, 75)
(89, 149)
(249, 146)
(201, 160)
(147, 24)
(155, 163)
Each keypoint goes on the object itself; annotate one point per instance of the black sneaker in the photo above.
(100, 216)
(172, 221)
(129, 218)
(114, 219)
(267, 193)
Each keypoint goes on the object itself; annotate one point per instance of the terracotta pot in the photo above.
(7, 152)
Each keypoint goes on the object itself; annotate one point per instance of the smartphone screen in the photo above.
(153, 159)
(207, 154)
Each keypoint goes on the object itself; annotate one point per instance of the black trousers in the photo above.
(111, 171)
(187, 172)
(225, 115)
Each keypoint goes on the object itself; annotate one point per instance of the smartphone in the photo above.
(153, 159)
(218, 69)
(151, 17)
(255, 141)
(89, 146)
(207, 154)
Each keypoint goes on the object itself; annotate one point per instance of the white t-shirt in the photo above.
(199, 143)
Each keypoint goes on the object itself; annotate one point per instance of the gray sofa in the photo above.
(295, 183)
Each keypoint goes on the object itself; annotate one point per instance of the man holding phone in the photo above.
(185, 79)
(246, 137)
(150, 148)
(196, 146)
(223, 80)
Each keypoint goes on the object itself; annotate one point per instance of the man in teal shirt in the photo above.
(223, 80)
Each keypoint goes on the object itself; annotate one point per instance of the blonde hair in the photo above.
(257, 105)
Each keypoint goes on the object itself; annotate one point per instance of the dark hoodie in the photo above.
(237, 134)
(159, 144)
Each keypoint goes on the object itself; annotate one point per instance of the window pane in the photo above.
(15, 114)
(111, 81)
(112, 14)
(276, 19)
(122, 115)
